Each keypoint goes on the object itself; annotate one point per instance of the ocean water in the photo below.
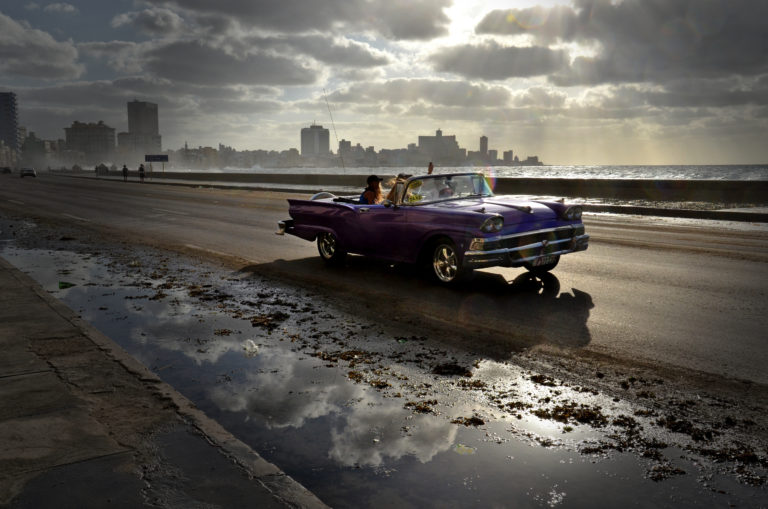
(683, 172)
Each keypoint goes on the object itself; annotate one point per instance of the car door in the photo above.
(380, 231)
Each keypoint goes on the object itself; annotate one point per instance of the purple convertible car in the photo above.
(451, 224)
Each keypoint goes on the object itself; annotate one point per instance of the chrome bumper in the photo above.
(520, 255)
(283, 226)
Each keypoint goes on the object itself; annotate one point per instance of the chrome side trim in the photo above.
(502, 238)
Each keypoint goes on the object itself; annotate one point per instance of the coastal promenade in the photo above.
(613, 192)
(83, 424)
(621, 189)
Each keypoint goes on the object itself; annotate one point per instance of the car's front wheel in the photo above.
(544, 267)
(329, 249)
(446, 264)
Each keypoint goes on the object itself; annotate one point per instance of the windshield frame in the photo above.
(480, 188)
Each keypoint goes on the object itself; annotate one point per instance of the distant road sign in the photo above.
(156, 158)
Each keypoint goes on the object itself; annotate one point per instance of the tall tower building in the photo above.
(315, 141)
(9, 121)
(143, 136)
(483, 145)
(142, 118)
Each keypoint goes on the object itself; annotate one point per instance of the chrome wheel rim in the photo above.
(327, 244)
(445, 263)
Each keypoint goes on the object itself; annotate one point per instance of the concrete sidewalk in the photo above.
(83, 424)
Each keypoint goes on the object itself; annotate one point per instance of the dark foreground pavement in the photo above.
(83, 424)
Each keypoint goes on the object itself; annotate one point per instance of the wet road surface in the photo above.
(680, 295)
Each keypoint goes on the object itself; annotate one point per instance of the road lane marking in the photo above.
(171, 211)
(78, 218)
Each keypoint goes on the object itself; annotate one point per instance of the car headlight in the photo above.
(492, 224)
(572, 213)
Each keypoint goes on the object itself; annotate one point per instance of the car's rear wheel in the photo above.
(446, 264)
(329, 248)
(544, 268)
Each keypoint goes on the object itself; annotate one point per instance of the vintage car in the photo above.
(451, 224)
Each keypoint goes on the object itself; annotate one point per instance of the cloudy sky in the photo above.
(574, 81)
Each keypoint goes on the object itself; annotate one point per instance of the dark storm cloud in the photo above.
(322, 48)
(396, 19)
(647, 40)
(61, 8)
(156, 21)
(119, 55)
(708, 93)
(77, 95)
(406, 91)
(31, 53)
(239, 106)
(199, 63)
(492, 61)
(680, 95)
(539, 97)
(111, 94)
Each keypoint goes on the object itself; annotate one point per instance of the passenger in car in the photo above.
(400, 179)
(372, 194)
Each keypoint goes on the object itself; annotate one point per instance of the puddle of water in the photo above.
(351, 409)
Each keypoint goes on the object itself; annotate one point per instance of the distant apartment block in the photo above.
(96, 141)
(9, 121)
(315, 141)
(143, 136)
(441, 149)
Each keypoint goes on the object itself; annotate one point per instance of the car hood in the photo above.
(514, 210)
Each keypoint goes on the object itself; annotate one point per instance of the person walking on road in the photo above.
(141, 173)
(125, 173)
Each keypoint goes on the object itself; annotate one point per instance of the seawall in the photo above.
(735, 191)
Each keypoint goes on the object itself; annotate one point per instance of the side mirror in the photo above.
(388, 203)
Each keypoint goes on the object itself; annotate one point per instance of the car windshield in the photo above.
(446, 187)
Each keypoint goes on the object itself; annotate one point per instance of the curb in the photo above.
(282, 486)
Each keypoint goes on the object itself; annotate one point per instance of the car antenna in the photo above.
(334, 129)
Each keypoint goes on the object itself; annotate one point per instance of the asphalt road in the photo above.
(689, 295)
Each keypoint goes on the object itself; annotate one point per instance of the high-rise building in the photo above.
(143, 136)
(441, 149)
(142, 118)
(483, 145)
(95, 141)
(315, 141)
(9, 121)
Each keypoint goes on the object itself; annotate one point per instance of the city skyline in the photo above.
(582, 82)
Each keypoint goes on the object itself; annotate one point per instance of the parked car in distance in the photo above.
(27, 172)
(5, 169)
(451, 224)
